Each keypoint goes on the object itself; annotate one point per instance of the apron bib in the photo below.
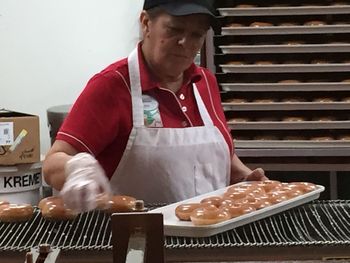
(166, 165)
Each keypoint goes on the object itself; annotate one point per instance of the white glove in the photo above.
(85, 183)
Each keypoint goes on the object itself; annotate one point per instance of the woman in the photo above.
(152, 123)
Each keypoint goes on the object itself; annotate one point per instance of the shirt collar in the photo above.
(191, 75)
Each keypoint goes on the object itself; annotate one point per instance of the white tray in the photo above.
(174, 227)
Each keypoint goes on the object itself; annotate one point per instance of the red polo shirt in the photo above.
(100, 121)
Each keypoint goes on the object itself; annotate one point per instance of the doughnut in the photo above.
(234, 25)
(288, 81)
(319, 61)
(236, 100)
(263, 100)
(269, 185)
(266, 138)
(276, 197)
(344, 138)
(346, 99)
(184, 211)
(293, 138)
(260, 24)
(208, 215)
(238, 120)
(258, 202)
(346, 81)
(53, 208)
(263, 62)
(238, 209)
(323, 99)
(213, 200)
(289, 192)
(324, 118)
(3, 203)
(293, 119)
(287, 24)
(245, 6)
(293, 99)
(314, 23)
(235, 62)
(16, 212)
(322, 138)
(304, 187)
(268, 119)
(121, 203)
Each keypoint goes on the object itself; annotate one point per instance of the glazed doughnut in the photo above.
(266, 138)
(235, 63)
(238, 209)
(288, 81)
(294, 138)
(213, 200)
(263, 100)
(258, 202)
(322, 138)
(238, 120)
(237, 100)
(208, 215)
(293, 99)
(344, 138)
(314, 23)
(3, 203)
(121, 203)
(268, 119)
(304, 187)
(289, 192)
(53, 208)
(260, 24)
(346, 99)
(276, 197)
(245, 6)
(288, 24)
(16, 212)
(293, 119)
(324, 118)
(263, 62)
(184, 211)
(234, 25)
(270, 185)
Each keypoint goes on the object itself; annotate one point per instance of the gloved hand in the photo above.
(85, 183)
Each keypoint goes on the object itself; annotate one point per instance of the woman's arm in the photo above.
(240, 172)
(55, 161)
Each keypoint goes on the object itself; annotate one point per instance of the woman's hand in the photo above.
(85, 183)
(240, 172)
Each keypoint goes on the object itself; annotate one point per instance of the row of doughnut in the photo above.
(239, 200)
(53, 208)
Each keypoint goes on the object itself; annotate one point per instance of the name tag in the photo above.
(151, 112)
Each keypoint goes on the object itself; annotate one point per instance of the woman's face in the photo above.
(172, 42)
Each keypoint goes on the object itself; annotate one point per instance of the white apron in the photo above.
(166, 165)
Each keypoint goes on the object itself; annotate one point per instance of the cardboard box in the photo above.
(19, 138)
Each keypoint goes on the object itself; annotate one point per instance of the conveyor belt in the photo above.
(320, 223)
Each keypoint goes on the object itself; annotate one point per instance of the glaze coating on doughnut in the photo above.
(120, 204)
(16, 212)
(53, 208)
(208, 215)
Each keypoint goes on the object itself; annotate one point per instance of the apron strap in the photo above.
(202, 109)
(136, 90)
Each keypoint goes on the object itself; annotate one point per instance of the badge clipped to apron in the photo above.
(151, 112)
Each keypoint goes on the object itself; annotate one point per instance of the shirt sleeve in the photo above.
(91, 125)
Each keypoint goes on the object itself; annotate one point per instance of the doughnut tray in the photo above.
(297, 10)
(283, 30)
(174, 227)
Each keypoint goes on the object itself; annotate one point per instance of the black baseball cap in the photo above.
(183, 7)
